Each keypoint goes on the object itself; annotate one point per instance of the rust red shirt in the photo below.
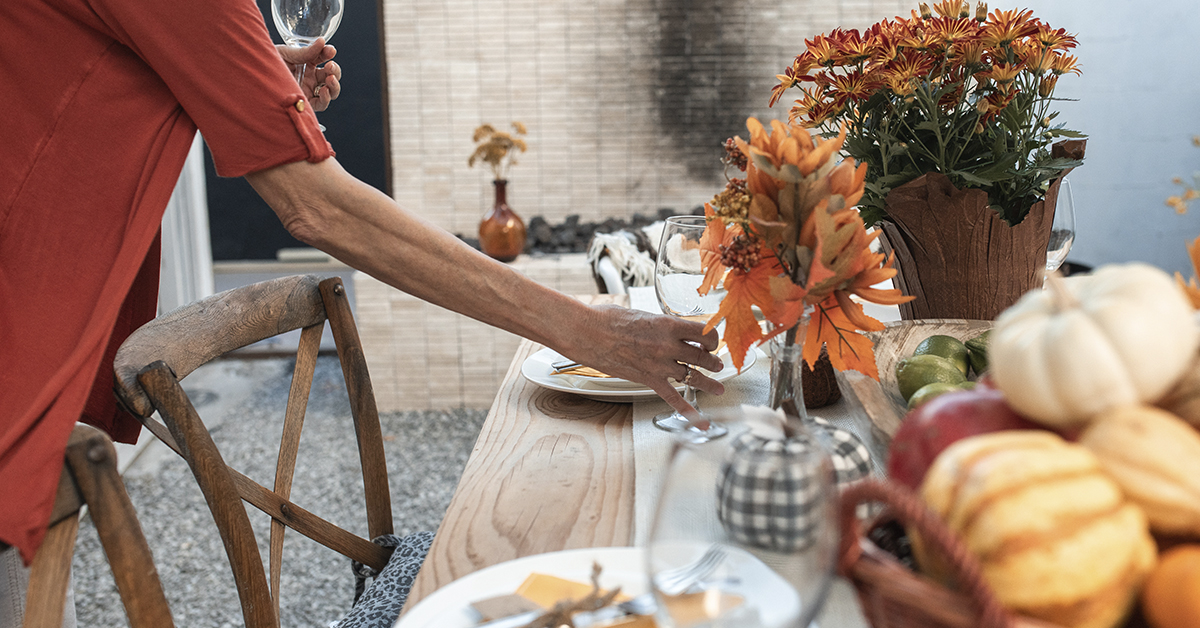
(104, 99)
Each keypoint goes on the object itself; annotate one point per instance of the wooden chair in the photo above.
(152, 361)
(90, 477)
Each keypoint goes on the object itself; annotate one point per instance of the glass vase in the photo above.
(786, 389)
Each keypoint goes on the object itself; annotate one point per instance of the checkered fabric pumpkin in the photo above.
(762, 501)
(851, 460)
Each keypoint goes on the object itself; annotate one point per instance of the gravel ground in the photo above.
(242, 403)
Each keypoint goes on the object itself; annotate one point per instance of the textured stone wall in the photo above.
(626, 101)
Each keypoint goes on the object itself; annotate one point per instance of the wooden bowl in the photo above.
(881, 399)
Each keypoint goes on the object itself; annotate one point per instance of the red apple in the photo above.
(935, 425)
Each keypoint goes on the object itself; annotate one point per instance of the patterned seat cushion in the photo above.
(379, 605)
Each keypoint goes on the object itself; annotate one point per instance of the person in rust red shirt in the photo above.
(90, 150)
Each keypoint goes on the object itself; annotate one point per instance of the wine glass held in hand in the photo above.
(677, 276)
(745, 533)
(1062, 230)
(301, 22)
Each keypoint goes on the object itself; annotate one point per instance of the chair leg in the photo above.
(50, 576)
(93, 462)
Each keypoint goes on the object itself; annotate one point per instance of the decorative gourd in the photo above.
(1122, 335)
(1183, 400)
(767, 496)
(1155, 457)
(1055, 538)
(1171, 597)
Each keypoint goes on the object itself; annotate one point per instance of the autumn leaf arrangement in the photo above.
(1191, 191)
(498, 149)
(786, 239)
(970, 96)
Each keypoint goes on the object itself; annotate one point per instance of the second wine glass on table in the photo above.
(302, 22)
(677, 276)
(745, 533)
(1062, 230)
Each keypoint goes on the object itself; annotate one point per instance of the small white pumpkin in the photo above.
(1121, 335)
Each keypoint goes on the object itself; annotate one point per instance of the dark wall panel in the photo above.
(242, 226)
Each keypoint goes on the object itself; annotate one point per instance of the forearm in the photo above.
(325, 207)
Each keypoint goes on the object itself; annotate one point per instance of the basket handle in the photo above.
(911, 511)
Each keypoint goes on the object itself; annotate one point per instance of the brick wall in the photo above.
(626, 101)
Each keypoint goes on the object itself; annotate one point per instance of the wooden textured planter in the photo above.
(957, 256)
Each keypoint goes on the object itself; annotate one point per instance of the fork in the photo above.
(564, 365)
(680, 579)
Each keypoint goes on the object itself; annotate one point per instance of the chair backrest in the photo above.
(90, 477)
(152, 361)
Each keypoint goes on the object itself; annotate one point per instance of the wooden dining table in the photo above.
(554, 471)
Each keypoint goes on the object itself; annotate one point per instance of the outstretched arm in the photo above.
(324, 206)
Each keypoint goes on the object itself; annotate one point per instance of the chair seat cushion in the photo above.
(382, 601)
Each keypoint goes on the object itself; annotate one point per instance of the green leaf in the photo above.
(972, 178)
(872, 215)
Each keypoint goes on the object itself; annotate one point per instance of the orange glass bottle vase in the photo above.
(501, 232)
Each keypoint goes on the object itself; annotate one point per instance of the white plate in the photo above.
(448, 607)
(537, 369)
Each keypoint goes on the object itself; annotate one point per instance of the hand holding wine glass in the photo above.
(303, 22)
(322, 76)
(677, 276)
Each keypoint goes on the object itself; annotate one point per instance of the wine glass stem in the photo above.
(689, 395)
(299, 74)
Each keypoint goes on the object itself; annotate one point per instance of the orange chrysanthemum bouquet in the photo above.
(967, 96)
(787, 240)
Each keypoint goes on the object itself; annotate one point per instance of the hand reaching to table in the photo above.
(322, 85)
(650, 349)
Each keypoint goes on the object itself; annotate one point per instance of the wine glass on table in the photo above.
(301, 22)
(745, 533)
(677, 276)
(1062, 230)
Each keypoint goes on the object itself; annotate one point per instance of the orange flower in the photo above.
(801, 66)
(907, 69)
(1046, 85)
(952, 9)
(1002, 73)
(852, 87)
(823, 49)
(1034, 57)
(920, 39)
(851, 48)
(1054, 38)
(1063, 64)
(950, 31)
(969, 52)
(1004, 27)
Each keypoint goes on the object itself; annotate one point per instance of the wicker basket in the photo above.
(892, 595)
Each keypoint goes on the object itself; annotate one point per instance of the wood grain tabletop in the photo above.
(550, 471)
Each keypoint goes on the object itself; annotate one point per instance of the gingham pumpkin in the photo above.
(763, 501)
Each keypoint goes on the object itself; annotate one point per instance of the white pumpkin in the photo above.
(1123, 334)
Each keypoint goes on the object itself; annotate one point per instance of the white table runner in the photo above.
(652, 448)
